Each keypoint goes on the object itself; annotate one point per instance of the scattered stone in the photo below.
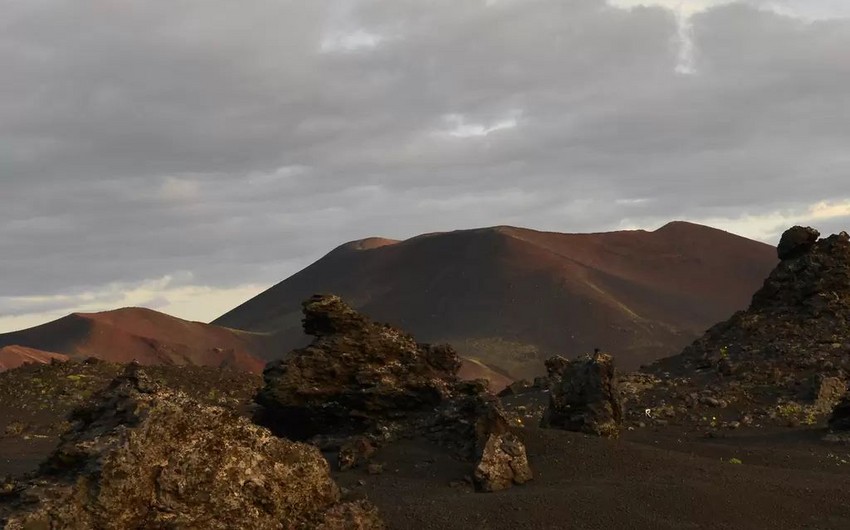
(16, 428)
(586, 398)
(502, 464)
(375, 469)
(354, 452)
(711, 401)
(140, 456)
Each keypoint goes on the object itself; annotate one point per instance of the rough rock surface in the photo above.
(796, 241)
(501, 457)
(786, 359)
(360, 380)
(585, 397)
(826, 393)
(355, 374)
(839, 421)
(143, 457)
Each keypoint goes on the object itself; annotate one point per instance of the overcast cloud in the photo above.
(184, 155)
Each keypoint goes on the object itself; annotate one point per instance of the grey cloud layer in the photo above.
(139, 139)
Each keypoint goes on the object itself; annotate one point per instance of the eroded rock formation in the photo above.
(785, 359)
(143, 457)
(360, 381)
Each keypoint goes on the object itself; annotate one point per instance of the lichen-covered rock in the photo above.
(500, 455)
(502, 464)
(826, 393)
(586, 398)
(143, 457)
(359, 380)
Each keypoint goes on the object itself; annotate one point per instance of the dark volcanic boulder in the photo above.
(556, 366)
(142, 457)
(354, 375)
(796, 241)
(586, 397)
(361, 384)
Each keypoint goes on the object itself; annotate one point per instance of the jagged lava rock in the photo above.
(354, 374)
(796, 241)
(143, 457)
(585, 397)
(786, 358)
(798, 323)
(362, 383)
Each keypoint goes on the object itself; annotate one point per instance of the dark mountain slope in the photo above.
(510, 296)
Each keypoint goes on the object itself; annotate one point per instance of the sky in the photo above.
(186, 155)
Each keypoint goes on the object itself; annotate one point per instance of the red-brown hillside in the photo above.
(146, 336)
(510, 296)
(15, 356)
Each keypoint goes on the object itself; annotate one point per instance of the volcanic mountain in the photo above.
(15, 356)
(147, 336)
(511, 296)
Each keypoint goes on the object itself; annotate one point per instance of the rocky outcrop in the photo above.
(585, 396)
(796, 241)
(786, 358)
(798, 322)
(354, 376)
(144, 457)
(360, 383)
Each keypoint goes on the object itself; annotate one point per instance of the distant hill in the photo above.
(146, 336)
(509, 297)
(15, 356)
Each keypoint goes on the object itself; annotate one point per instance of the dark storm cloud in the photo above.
(238, 142)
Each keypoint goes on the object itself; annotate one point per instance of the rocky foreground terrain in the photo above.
(367, 428)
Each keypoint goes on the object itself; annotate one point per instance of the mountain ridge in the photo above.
(645, 294)
(142, 335)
